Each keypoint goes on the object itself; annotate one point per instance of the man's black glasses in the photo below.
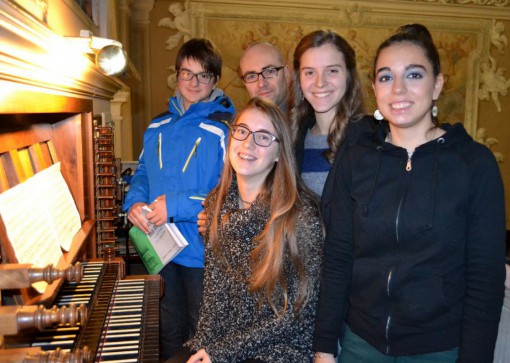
(269, 72)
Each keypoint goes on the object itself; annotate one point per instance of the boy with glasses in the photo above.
(183, 155)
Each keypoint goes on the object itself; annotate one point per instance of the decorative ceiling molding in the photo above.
(479, 9)
(496, 3)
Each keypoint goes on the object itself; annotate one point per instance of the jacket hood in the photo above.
(455, 133)
(217, 102)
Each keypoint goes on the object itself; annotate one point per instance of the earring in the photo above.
(434, 111)
(378, 115)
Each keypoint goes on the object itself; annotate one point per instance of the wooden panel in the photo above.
(10, 170)
(25, 150)
(89, 200)
(22, 101)
(9, 255)
(14, 355)
(52, 152)
(67, 145)
(37, 157)
(4, 185)
(19, 138)
(45, 151)
(26, 162)
(17, 167)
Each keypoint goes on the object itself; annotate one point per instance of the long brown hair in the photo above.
(351, 106)
(278, 240)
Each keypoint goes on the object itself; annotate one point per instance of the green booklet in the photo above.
(158, 247)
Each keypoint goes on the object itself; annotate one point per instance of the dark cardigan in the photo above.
(354, 131)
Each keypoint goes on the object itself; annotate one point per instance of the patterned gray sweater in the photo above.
(232, 327)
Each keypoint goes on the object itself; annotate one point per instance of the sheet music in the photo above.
(40, 217)
(60, 203)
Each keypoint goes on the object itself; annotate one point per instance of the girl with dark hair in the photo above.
(264, 240)
(415, 249)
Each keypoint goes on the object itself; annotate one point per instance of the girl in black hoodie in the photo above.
(415, 250)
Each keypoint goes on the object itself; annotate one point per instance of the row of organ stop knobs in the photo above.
(15, 318)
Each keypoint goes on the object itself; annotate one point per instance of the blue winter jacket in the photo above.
(182, 157)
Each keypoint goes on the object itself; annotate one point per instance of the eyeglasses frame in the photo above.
(195, 75)
(258, 74)
(273, 137)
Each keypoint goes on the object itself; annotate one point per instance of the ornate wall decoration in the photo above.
(460, 41)
(493, 82)
(180, 21)
(498, 39)
(499, 3)
(483, 138)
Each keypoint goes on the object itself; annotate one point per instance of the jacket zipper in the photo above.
(388, 319)
(388, 322)
(409, 166)
(390, 274)
(160, 145)
(197, 197)
(193, 152)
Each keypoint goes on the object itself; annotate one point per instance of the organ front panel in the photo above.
(31, 142)
(122, 313)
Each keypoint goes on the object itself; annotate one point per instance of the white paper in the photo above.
(167, 240)
(40, 217)
(60, 203)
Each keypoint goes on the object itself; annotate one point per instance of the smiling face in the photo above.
(193, 91)
(252, 163)
(323, 79)
(405, 86)
(256, 59)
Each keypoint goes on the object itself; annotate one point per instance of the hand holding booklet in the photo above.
(158, 247)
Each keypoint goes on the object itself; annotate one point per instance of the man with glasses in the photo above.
(180, 164)
(264, 73)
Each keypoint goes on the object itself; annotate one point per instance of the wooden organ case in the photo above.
(47, 117)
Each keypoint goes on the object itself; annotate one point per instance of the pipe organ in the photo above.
(88, 310)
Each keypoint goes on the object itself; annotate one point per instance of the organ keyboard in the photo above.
(123, 323)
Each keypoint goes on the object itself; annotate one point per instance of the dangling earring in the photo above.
(434, 111)
(378, 115)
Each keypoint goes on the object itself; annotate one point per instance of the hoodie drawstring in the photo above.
(364, 210)
(428, 226)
